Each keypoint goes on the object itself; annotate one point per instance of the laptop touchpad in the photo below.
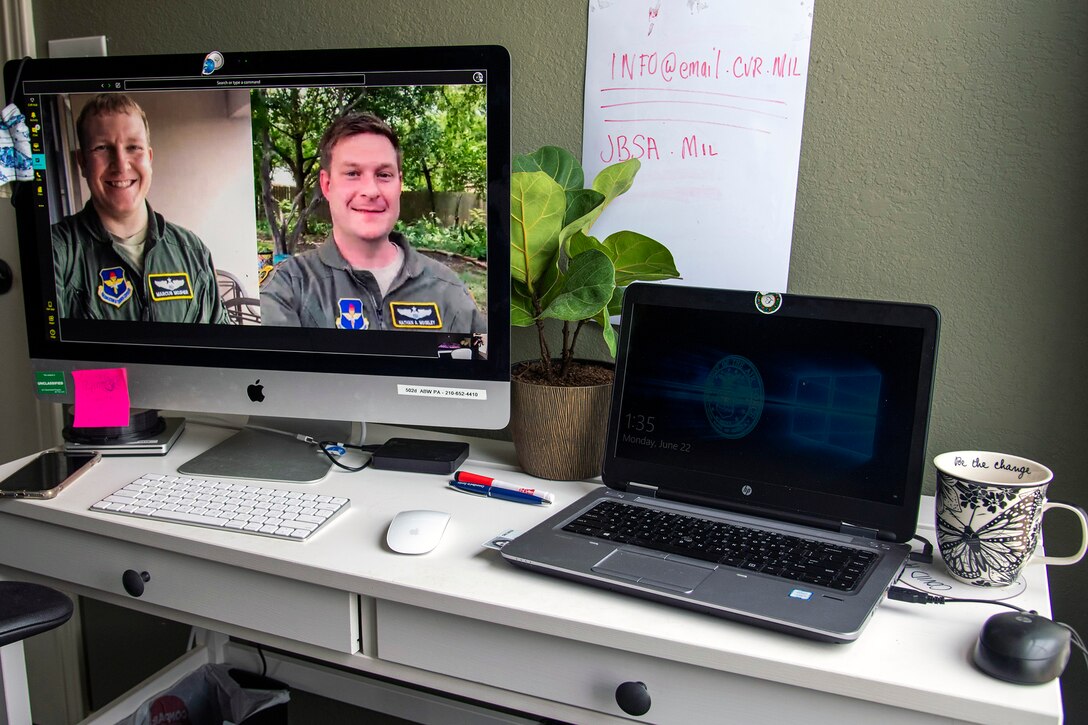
(653, 571)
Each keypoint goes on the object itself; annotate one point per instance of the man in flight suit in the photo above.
(117, 259)
(365, 275)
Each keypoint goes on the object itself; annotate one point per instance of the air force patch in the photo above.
(115, 288)
(350, 314)
(416, 315)
(166, 286)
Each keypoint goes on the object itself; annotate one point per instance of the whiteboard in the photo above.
(709, 95)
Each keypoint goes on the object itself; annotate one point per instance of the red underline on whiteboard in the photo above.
(712, 123)
(705, 93)
(696, 103)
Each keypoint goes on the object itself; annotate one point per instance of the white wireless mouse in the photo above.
(416, 532)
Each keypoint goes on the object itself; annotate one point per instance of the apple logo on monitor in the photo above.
(256, 391)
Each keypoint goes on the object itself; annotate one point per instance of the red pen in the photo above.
(466, 477)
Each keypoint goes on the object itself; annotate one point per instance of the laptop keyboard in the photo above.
(756, 550)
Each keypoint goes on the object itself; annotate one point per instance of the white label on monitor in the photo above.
(432, 391)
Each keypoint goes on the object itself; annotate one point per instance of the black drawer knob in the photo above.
(133, 581)
(7, 277)
(633, 698)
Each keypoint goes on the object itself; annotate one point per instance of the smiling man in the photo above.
(117, 259)
(365, 276)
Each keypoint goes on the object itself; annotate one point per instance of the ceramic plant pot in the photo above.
(559, 432)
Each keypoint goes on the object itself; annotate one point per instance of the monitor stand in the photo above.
(253, 453)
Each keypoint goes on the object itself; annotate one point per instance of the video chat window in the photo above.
(239, 169)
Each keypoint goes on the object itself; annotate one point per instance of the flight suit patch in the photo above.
(416, 315)
(350, 314)
(166, 286)
(115, 289)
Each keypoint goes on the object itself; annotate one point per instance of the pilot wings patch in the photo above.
(416, 315)
(166, 286)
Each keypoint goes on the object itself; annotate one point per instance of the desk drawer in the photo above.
(586, 675)
(304, 612)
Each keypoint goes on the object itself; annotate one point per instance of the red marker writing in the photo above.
(466, 477)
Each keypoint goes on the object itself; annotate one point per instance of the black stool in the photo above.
(25, 610)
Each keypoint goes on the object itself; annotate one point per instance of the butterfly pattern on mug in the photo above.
(991, 552)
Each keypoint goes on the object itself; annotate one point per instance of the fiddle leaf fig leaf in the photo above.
(521, 311)
(537, 207)
(581, 242)
(582, 211)
(586, 288)
(548, 286)
(615, 305)
(614, 180)
(609, 332)
(637, 257)
(557, 163)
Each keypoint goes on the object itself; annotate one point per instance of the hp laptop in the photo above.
(764, 458)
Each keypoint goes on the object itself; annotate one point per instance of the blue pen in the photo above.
(504, 493)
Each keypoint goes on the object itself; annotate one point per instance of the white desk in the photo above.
(460, 620)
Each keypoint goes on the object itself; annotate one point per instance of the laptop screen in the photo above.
(807, 405)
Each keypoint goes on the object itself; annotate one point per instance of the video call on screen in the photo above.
(223, 169)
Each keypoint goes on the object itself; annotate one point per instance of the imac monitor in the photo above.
(193, 220)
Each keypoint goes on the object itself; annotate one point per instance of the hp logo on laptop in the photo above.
(746, 490)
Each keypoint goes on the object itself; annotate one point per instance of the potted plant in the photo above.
(560, 403)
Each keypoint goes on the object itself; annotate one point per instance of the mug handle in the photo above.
(1065, 560)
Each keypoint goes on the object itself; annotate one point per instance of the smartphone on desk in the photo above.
(47, 474)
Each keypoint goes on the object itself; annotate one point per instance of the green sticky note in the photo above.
(51, 383)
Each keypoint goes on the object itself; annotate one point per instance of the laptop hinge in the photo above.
(862, 531)
(642, 489)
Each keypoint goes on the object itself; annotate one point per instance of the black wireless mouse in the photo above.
(1027, 649)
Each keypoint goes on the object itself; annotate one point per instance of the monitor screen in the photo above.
(318, 234)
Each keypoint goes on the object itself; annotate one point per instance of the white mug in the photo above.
(990, 510)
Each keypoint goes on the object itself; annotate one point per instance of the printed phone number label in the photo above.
(430, 391)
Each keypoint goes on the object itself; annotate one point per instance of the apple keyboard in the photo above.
(228, 505)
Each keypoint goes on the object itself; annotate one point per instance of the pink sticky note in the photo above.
(101, 398)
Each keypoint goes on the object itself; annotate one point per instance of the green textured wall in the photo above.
(944, 160)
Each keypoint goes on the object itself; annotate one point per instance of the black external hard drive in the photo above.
(420, 456)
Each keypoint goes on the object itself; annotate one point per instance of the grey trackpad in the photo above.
(653, 571)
